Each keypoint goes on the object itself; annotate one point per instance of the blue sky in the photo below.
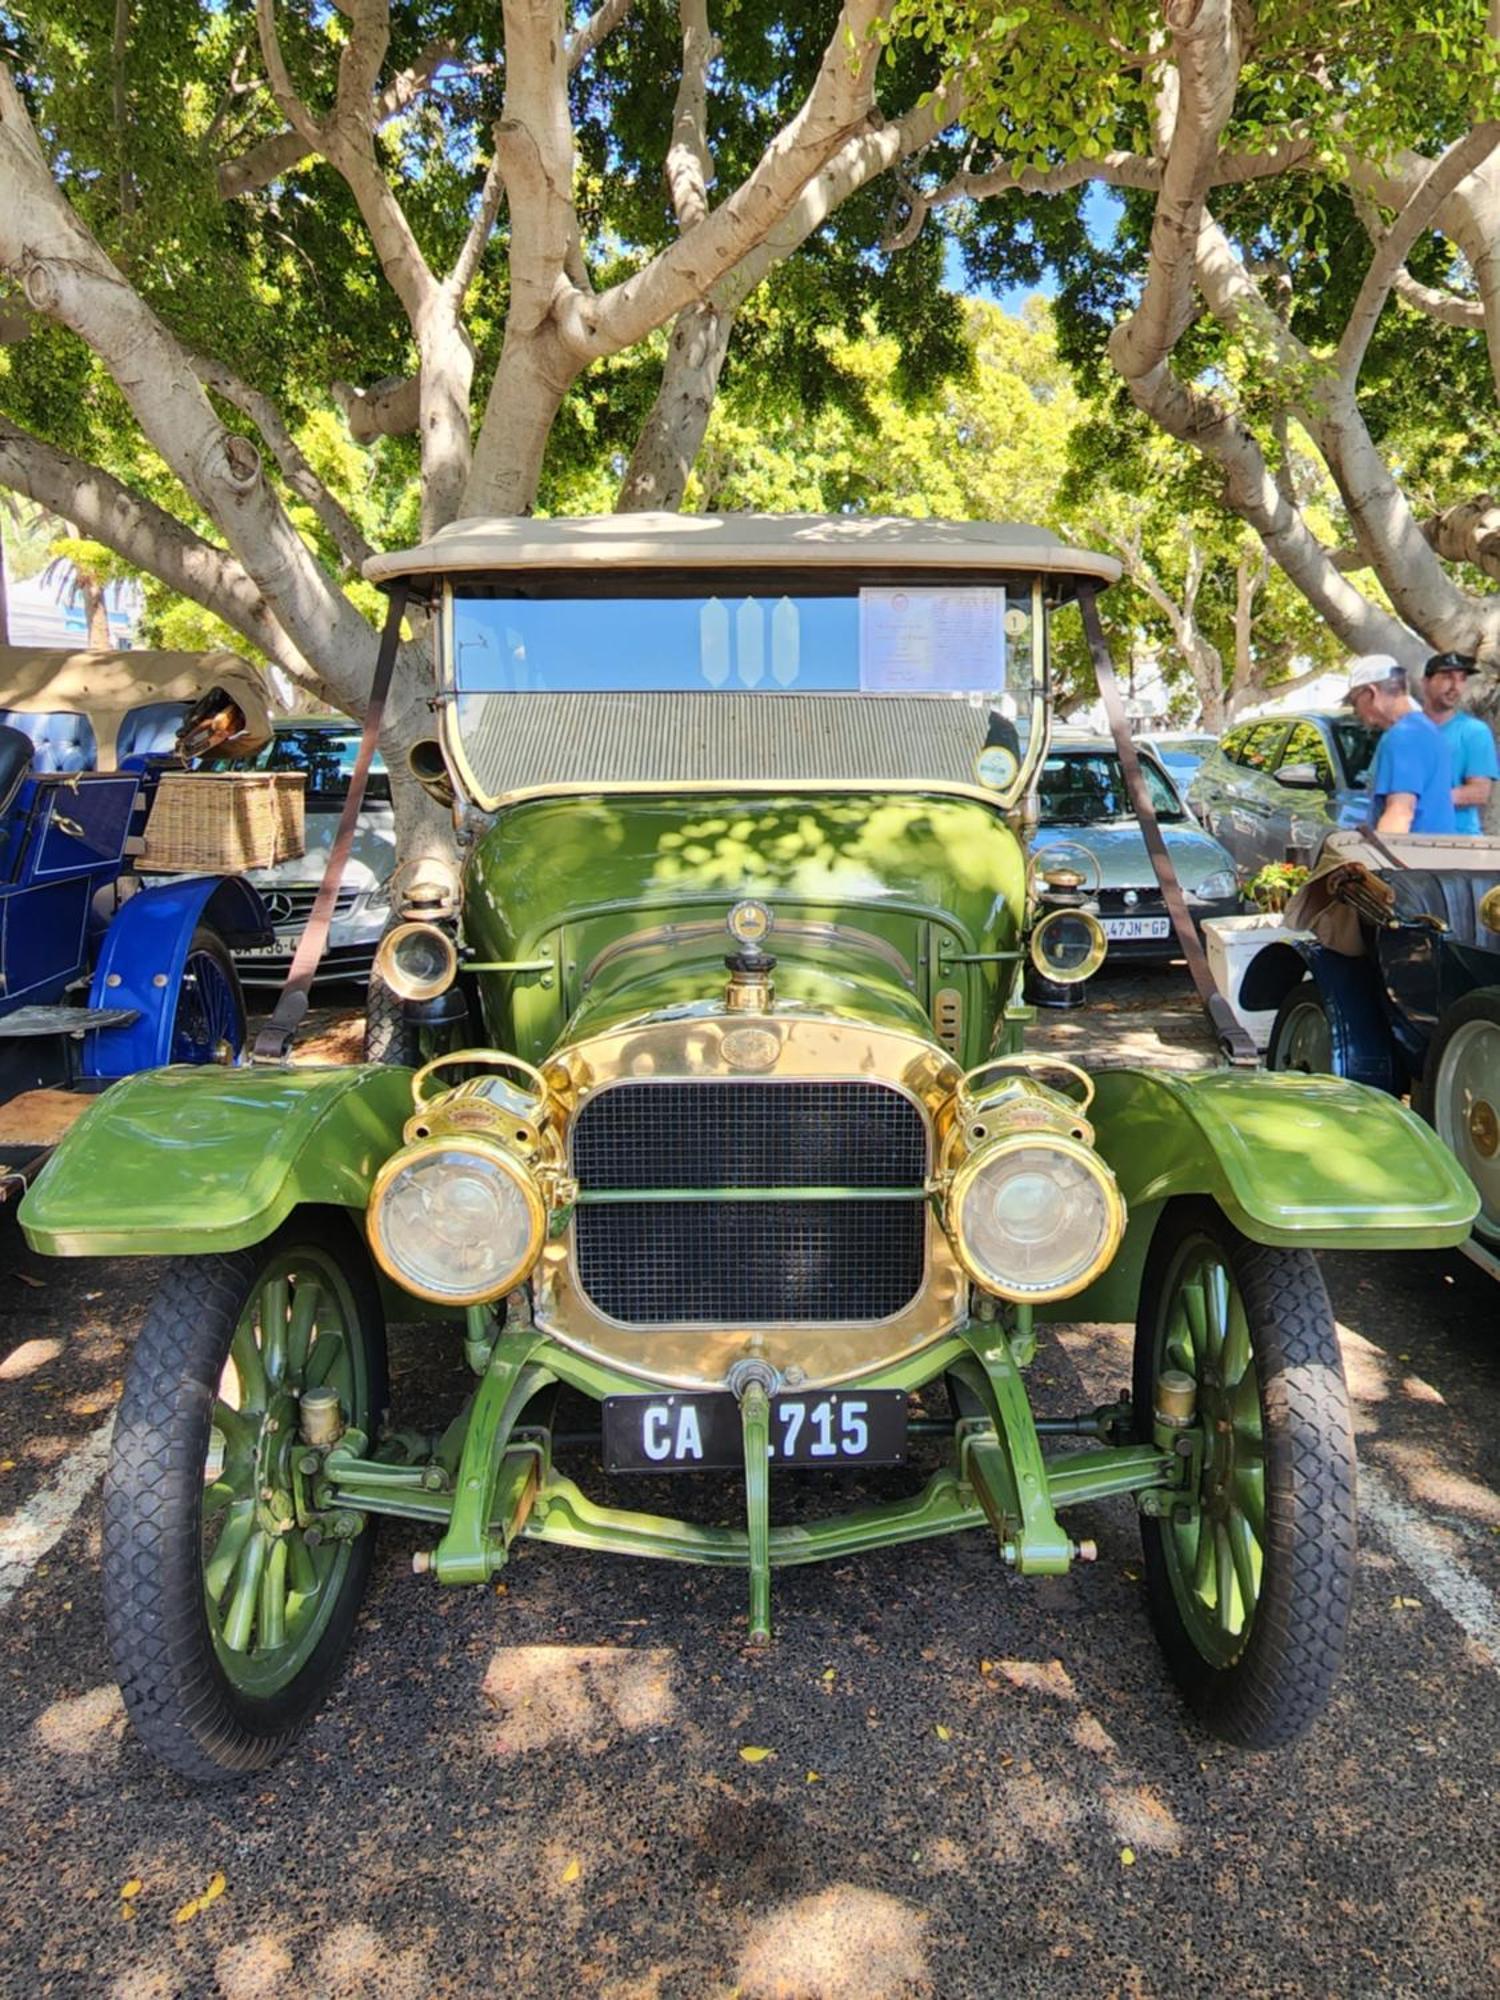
(1101, 214)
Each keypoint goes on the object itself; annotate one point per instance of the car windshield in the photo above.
(327, 755)
(1356, 741)
(1083, 787)
(665, 683)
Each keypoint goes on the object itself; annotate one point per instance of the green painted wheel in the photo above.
(1251, 1574)
(229, 1607)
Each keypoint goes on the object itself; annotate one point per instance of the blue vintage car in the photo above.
(100, 977)
(1390, 975)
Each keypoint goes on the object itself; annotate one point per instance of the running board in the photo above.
(65, 1020)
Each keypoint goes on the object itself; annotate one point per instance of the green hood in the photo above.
(627, 895)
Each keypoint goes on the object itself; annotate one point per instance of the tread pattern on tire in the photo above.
(177, 1697)
(1282, 1681)
(389, 1036)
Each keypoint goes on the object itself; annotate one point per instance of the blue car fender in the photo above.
(141, 963)
(1364, 1049)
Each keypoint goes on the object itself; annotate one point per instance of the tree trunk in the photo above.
(534, 375)
(669, 442)
(95, 614)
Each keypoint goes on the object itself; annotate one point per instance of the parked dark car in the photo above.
(1083, 803)
(161, 987)
(1280, 785)
(1398, 985)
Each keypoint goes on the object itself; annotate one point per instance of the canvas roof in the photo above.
(603, 543)
(105, 686)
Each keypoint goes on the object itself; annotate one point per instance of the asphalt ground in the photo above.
(975, 1784)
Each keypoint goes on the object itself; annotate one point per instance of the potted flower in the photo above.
(1276, 884)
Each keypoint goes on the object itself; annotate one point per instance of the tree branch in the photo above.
(1448, 308)
(1206, 59)
(601, 23)
(1393, 249)
(68, 277)
(1420, 590)
(269, 158)
(1467, 533)
(388, 408)
(689, 165)
(144, 535)
(839, 100)
(299, 475)
(466, 264)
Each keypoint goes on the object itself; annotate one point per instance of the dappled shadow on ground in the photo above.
(965, 1783)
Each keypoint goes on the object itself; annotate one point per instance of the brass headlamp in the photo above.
(1033, 1212)
(417, 961)
(459, 1215)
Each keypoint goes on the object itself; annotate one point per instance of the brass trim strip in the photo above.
(589, 1197)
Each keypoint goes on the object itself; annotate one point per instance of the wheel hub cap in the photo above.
(1484, 1129)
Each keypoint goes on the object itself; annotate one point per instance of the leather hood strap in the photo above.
(1233, 1040)
(274, 1042)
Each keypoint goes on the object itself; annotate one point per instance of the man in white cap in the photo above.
(1411, 785)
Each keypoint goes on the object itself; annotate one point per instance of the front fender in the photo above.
(1304, 1162)
(141, 961)
(185, 1161)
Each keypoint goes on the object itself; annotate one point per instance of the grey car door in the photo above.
(1303, 783)
(1251, 832)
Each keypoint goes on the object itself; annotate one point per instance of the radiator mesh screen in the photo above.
(747, 1263)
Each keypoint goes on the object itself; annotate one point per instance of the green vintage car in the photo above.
(715, 1107)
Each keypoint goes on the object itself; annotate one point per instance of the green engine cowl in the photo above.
(617, 906)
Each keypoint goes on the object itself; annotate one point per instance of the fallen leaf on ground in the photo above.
(131, 1888)
(815, 1777)
(944, 1733)
(752, 1753)
(199, 1904)
(573, 1870)
(27, 1279)
(1127, 1857)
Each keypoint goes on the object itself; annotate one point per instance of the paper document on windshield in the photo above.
(931, 641)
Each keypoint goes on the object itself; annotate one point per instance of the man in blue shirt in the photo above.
(1411, 785)
(1470, 740)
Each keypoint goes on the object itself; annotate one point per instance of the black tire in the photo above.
(1265, 1679)
(209, 1021)
(1459, 1096)
(389, 1036)
(1297, 1021)
(188, 1709)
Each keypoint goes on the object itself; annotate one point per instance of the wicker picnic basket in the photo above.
(224, 822)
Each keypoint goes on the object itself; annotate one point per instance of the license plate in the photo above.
(701, 1432)
(281, 949)
(1137, 927)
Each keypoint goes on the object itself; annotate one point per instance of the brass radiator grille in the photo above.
(688, 1212)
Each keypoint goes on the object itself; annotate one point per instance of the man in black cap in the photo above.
(1471, 743)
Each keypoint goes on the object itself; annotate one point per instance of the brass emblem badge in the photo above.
(750, 1048)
